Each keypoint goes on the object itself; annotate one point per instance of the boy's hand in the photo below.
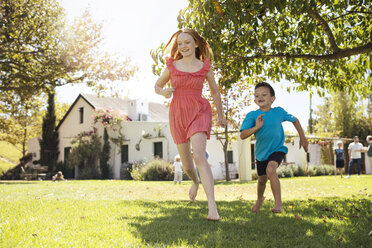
(259, 121)
(304, 143)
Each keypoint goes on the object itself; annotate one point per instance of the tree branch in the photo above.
(315, 15)
(342, 53)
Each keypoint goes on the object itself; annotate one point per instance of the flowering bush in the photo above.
(108, 117)
(111, 119)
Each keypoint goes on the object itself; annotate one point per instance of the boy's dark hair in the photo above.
(267, 85)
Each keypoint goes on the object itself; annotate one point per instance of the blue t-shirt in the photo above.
(339, 154)
(270, 137)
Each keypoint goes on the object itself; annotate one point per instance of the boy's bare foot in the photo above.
(277, 209)
(213, 213)
(256, 207)
(193, 191)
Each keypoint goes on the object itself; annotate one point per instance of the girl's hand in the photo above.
(168, 92)
(221, 122)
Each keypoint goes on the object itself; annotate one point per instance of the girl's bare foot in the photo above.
(213, 212)
(193, 191)
(256, 207)
(277, 209)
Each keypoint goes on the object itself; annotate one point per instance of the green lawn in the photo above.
(4, 166)
(319, 212)
(10, 152)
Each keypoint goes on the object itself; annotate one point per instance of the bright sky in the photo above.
(133, 28)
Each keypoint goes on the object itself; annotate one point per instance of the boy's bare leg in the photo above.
(188, 164)
(341, 170)
(261, 186)
(275, 186)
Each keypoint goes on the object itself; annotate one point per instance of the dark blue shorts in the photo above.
(340, 163)
(262, 165)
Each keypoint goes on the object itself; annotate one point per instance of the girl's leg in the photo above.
(341, 169)
(199, 142)
(261, 186)
(275, 186)
(188, 164)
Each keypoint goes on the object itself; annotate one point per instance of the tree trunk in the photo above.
(225, 154)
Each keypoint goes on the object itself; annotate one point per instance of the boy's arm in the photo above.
(248, 132)
(303, 140)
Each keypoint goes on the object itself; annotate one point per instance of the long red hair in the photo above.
(203, 51)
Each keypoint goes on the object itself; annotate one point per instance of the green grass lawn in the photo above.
(4, 166)
(318, 212)
(10, 152)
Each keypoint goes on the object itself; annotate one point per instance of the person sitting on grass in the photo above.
(58, 177)
(266, 125)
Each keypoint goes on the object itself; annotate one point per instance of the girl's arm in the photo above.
(160, 83)
(303, 140)
(216, 96)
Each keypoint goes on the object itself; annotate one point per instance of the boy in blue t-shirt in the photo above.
(266, 125)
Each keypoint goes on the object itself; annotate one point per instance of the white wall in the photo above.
(71, 126)
(133, 131)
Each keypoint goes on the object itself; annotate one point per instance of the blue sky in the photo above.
(132, 28)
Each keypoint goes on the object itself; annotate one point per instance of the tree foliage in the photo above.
(312, 43)
(105, 156)
(233, 99)
(49, 141)
(20, 120)
(342, 116)
(39, 50)
(85, 150)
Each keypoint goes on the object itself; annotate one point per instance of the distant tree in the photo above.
(39, 50)
(342, 116)
(85, 151)
(20, 120)
(312, 43)
(49, 138)
(233, 99)
(105, 156)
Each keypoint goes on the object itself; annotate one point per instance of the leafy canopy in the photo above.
(318, 44)
(39, 50)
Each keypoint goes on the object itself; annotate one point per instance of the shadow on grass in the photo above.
(323, 223)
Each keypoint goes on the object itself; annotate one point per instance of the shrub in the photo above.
(320, 170)
(154, 170)
(89, 173)
(284, 171)
(254, 175)
(125, 171)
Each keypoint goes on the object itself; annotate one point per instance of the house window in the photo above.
(124, 154)
(158, 149)
(81, 114)
(230, 157)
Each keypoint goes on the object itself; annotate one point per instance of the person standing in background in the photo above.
(355, 155)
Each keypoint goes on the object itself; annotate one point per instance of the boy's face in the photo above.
(263, 98)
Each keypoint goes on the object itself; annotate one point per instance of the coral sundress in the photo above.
(189, 112)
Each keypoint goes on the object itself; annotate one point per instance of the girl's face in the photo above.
(186, 45)
(339, 145)
(263, 98)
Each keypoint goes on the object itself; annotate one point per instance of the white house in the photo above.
(148, 135)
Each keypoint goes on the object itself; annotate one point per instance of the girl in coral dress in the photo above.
(190, 115)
